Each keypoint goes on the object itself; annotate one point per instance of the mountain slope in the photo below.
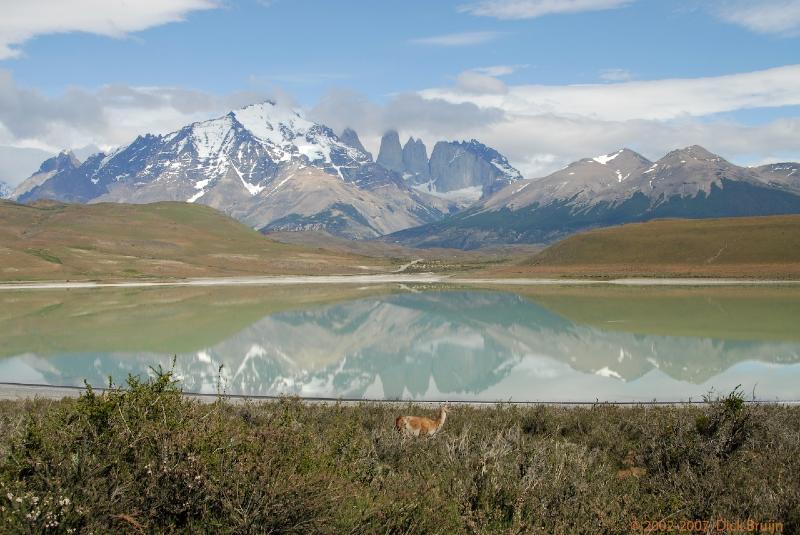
(64, 162)
(240, 164)
(613, 189)
(761, 247)
(784, 175)
(52, 241)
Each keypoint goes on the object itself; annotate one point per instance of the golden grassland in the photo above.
(53, 241)
(746, 247)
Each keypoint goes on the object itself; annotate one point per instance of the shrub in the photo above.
(146, 459)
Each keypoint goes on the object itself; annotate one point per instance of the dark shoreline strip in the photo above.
(243, 397)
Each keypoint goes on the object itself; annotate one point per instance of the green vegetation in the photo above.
(44, 255)
(759, 247)
(53, 241)
(149, 460)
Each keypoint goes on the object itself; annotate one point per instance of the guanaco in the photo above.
(417, 425)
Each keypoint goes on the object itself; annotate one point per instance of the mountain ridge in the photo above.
(612, 189)
(257, 164)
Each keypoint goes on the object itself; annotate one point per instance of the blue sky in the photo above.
(363, 57)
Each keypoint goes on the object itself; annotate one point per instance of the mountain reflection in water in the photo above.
(457, 345)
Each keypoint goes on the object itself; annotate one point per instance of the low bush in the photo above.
(146, 459)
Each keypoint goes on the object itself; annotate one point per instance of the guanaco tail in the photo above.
(417, 425)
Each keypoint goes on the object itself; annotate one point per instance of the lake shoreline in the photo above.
(23, 391)
(418, 278)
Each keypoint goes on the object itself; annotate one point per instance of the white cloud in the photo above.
(18, 164)
(657, 99)
(539, 128)
(762, 16)
(529, 9)
(23, 20)
(480, 84)
(499, 70)
(545, 127)
(616, 75)
(109, 116)
(408, 113)
(538, 141)
(538, 145)
(458, 39)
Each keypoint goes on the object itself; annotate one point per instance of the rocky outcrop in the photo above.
(390, 155)
(64, 162)
(350, 138)
(415, 161)
(461, 165)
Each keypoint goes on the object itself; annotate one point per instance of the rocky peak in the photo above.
(415, 160)
(350, 138)
(470, 164)
(60, 162)
(693, 153)
(784, 174)
(390, 155)
(622, 159)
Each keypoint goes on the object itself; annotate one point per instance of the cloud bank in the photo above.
(112, 115)
(542, 128)
(764, 16)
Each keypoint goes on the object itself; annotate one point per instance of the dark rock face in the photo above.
(391, 153)
(62, 161)
(350, 138)
(459, 165)
(415, 161)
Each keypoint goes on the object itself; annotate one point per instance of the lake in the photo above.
(429, 342)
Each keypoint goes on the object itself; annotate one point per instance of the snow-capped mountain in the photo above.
(5, 190)
(261, 164)
(613, 189)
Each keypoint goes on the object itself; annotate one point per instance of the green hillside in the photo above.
(53, 241)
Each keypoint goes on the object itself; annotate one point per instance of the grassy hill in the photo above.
(761, 247)
(53, 241)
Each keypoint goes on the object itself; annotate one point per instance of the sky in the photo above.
(545, 82)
